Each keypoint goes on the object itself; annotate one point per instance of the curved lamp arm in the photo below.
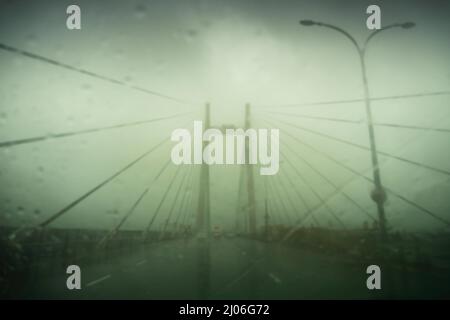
(342, 31)
(406, 25)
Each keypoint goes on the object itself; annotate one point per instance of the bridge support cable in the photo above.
(286, 192)
(313, 190)
(347, 101)
(189, 213)
(359, 122)
(322, 201)
(412, 203)
(283, 214)
(58, 214)
(310, 117)
(383, 153)
(280, 199)
(273, 207)
(361, 175)
(56, 63)
(174, 203)
(288, 196)
(317, 195)
(158, 208)
(270, 202)
(412, 127)
(279, 206)
(12, 143)
(301, 197)
(297, 192)
(185, 200)
(113, 232)
(331, 183)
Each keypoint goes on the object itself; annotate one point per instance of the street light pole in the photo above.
(378, 194)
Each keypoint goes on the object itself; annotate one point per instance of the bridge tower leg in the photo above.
(203, 224)
(266, 220)
(250, 179)
(203, 216)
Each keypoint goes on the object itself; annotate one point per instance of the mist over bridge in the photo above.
(286, 231)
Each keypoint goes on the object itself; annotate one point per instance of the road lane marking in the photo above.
(141, 262)
(274, 278)
(98, 280)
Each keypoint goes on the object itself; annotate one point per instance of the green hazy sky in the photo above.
(227, 53)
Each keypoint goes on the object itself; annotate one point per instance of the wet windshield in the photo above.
(224, 150)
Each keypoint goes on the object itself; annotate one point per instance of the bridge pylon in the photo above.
(203, 224)
(251, 206)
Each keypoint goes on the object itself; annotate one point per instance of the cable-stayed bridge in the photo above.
(290, 234)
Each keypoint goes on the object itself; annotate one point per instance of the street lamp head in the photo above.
(307, 23)
(408, 25)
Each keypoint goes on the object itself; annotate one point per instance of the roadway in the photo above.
(238, 269)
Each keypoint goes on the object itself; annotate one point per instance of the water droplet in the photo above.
(20, 211)
(206, 24)
(31, 40)
(112, 212)
(17, 62)
(86, 86)
(60, 52)
(140, 11)
(190, 35)
(70, 121)
(118, 54)
(258, 33)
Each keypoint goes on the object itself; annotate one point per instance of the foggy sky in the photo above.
(228, 53)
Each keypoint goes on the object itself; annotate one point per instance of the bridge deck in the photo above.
(239, 269)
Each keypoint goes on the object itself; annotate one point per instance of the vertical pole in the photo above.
(250, 181)
(203, 217)
(203, 224)
(378, 195)
(266, 212)
(239, 223)
(266, 220)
